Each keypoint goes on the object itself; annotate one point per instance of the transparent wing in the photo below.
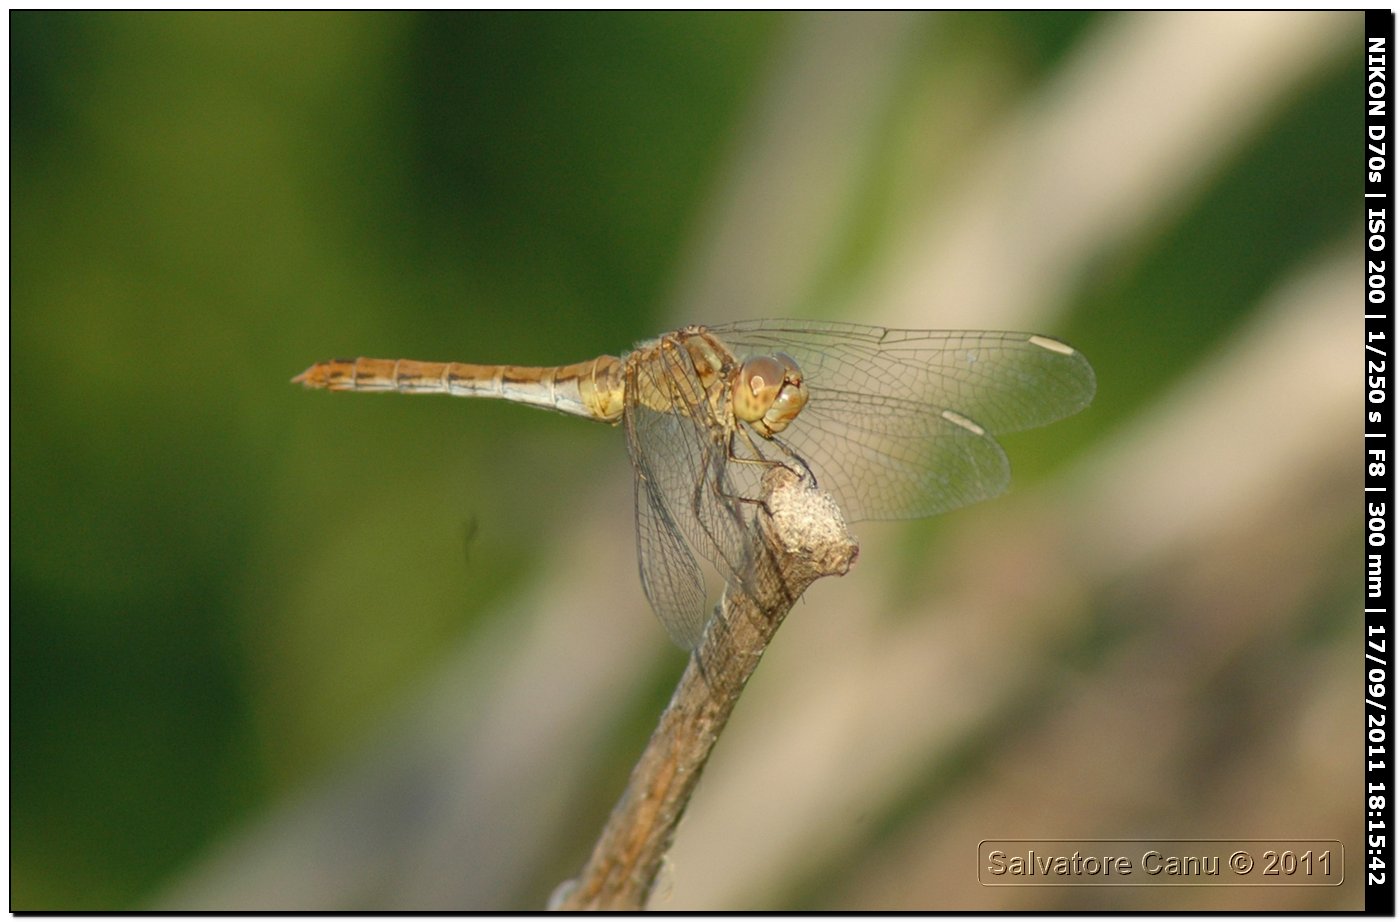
(671, 578)
(899, 423)
(885, 458)
(686, 496)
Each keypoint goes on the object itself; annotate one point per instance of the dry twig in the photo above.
(805, 537)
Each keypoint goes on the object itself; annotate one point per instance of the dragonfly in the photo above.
(895, 424)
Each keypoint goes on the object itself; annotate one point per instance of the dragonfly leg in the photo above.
(806, 473)
(756, 456)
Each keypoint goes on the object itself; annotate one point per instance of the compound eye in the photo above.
(756, 387)
(792, 373)
(788, 403)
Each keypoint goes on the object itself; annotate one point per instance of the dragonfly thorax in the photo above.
(768, 392)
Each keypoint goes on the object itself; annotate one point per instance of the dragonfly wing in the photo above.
(899, 423)
(685, 498)
(671, 577)
(1005, 382)
(884, 458)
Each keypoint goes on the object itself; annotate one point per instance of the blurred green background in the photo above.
(239, 610)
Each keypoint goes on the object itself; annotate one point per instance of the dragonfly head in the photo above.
(768, 392)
